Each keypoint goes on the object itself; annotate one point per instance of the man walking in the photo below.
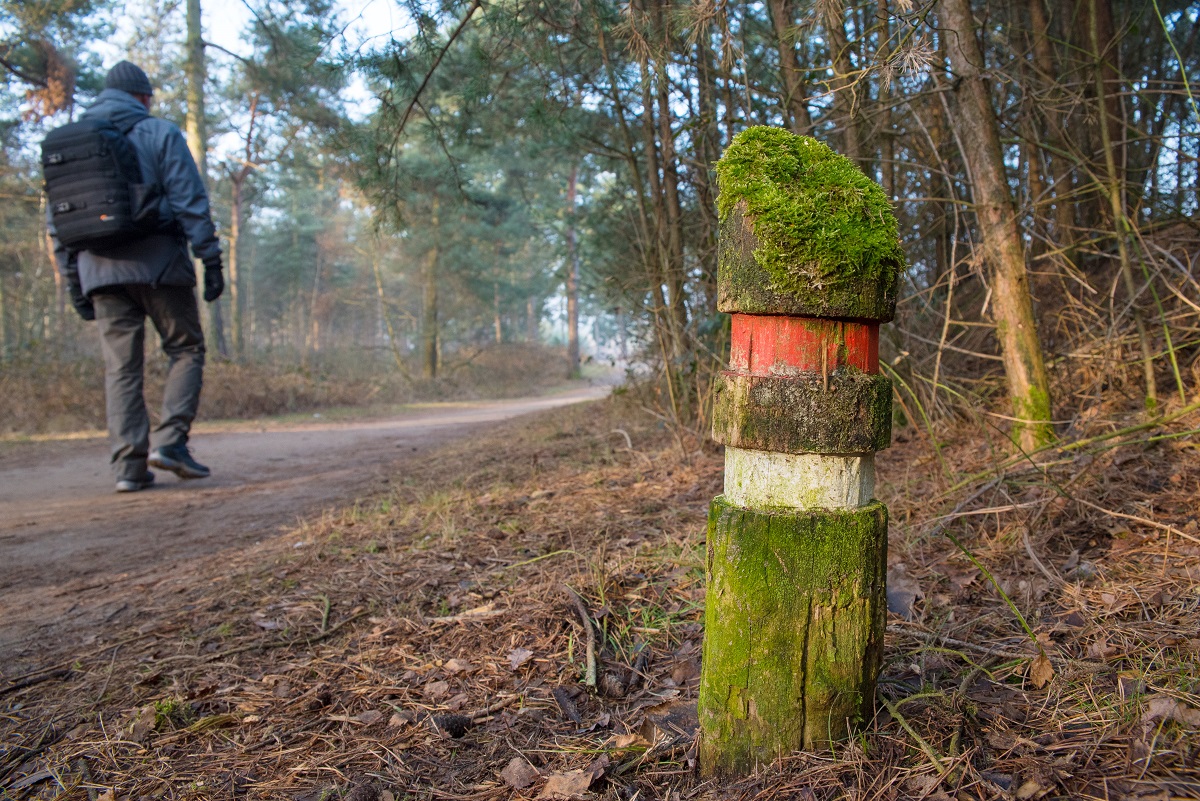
(149, 275)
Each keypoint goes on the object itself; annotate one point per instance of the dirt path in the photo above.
(68, 543)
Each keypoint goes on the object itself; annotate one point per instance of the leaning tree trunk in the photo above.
(979, 133)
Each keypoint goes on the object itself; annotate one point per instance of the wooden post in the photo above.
(808, 264)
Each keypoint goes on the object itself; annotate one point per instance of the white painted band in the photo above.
(763, 479)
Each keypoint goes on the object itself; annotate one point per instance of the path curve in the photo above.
(67, 540)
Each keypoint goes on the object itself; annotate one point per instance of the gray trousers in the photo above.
(121, 313)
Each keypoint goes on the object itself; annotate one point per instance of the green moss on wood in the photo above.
(1033, 413)
(794, 624)
(844, 413)
(819, 231)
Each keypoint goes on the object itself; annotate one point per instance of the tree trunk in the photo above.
(656, 248)
(429, 304)
(795, 94)
(197, 140)
(533, 320)
(4, 345)
(674, 266)
(1060, 165)
(572, 282)
(235, 290)
(845, 105)
(385, 319)
(979, 133)
(497, 323)
(708, 150)
(1100, 28)
(249, 308)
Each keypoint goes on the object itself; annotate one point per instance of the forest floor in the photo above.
(422, 643)
(71, 548)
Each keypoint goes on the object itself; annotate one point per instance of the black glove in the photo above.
(214, 282)
(82, 303)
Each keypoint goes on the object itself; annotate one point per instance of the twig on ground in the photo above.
(31, 679)
(636, 676)
(941, 639)
(920, 741)
(1143, 520)
(1054, 577)
(277, 643)
(492, 709)
(567, 705)
(586, 619)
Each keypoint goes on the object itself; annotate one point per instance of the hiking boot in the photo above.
(178, 459)
(145, 481)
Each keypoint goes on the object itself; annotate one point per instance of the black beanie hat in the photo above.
(128, 77)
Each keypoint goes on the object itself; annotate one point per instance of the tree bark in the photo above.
(572, 283)
(497, 327)
(676, 280)
(235, 236)
(708, 150)
(1100, 28)
(429, 304)
(197, 140)
(4, 345)
(843, 85)
(533, 319)
(656, 248)
(1012, 306)
(237, 179)
(1059, 165)
(795, 93)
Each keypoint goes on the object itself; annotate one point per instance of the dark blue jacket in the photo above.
(161, 258)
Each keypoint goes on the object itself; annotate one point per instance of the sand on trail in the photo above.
(71, 548)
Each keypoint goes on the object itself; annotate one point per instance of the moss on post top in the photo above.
(803, 231)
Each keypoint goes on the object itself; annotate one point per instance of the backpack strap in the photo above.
(126, 129)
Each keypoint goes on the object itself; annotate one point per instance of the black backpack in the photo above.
(94, 186)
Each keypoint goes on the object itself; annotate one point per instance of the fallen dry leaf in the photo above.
(629, 742)
(1166, 708)
(574, 783)
(1041, 671)
(456, 666)
(143, 724)
(927, 787)
(519, 774)
(518, 657)
(436, 690)
(1031, 789)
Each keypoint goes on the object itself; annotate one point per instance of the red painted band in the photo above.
(776, 345)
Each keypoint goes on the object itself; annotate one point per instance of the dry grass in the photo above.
(40, 396)
(334, 657)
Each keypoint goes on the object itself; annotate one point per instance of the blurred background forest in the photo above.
(512, 187)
